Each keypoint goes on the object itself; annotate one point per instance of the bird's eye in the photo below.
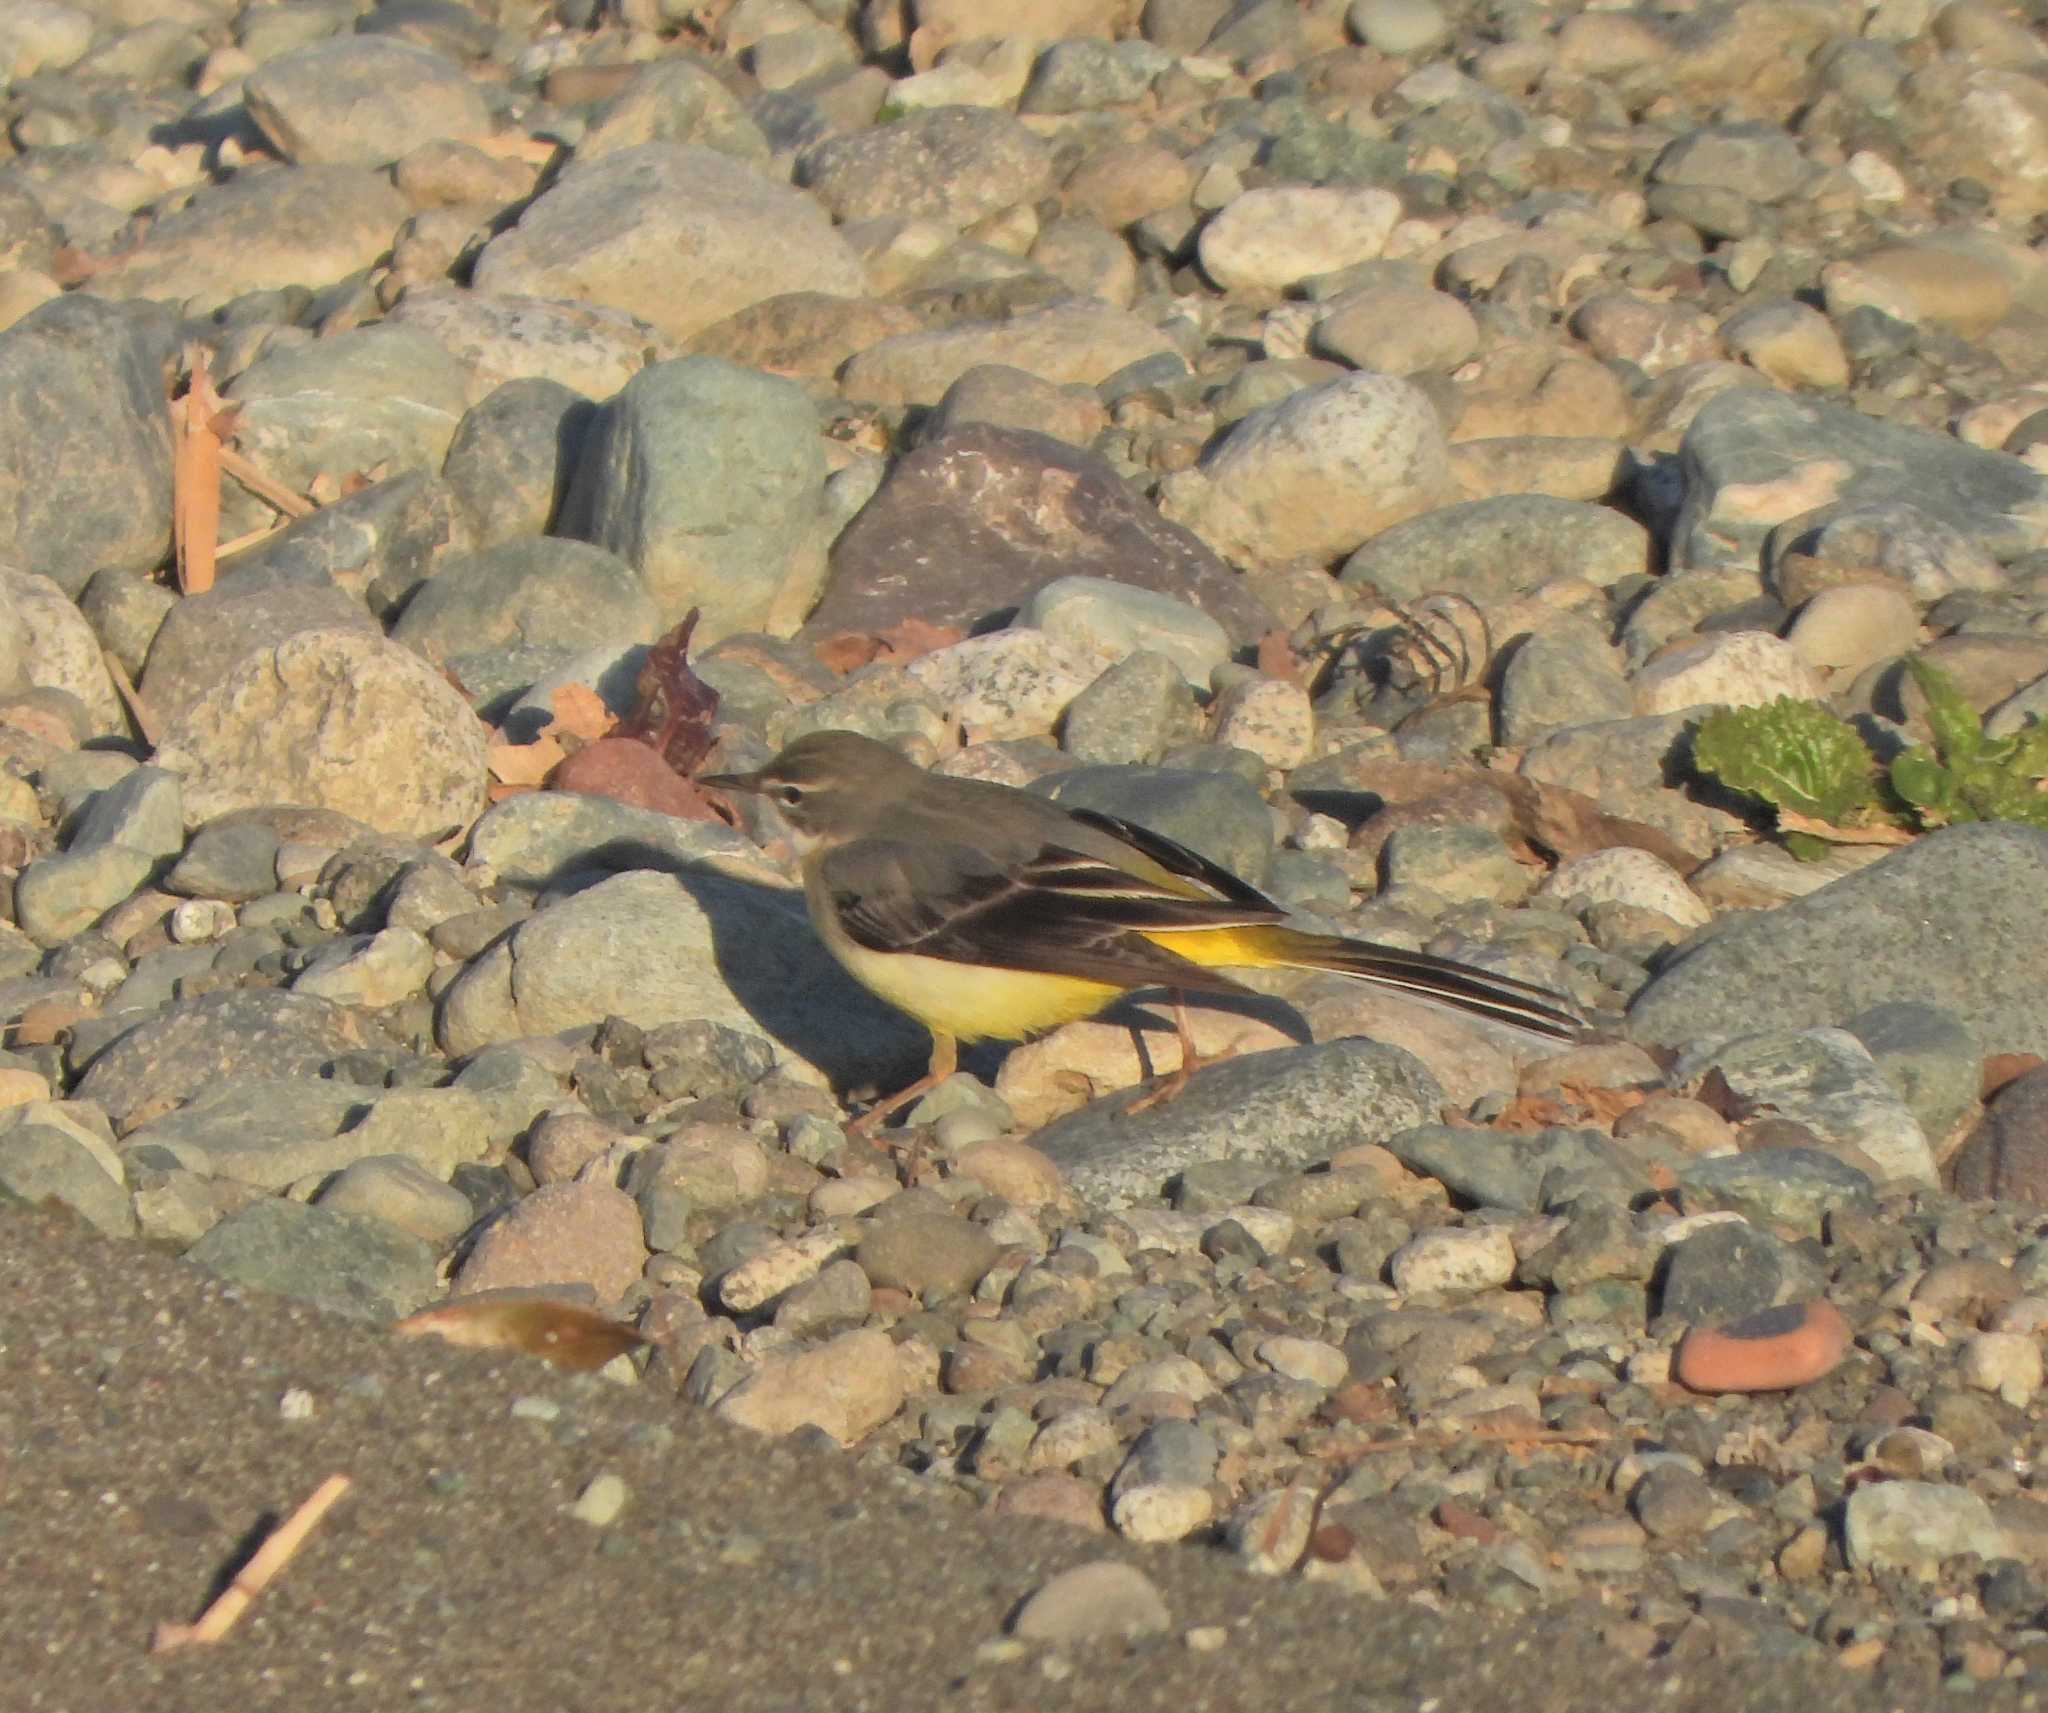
(789, 796)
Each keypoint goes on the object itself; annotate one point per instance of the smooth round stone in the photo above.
(1103, 1601)
(1793, 343)
(401, 1193)
(921, 1253)
(1269, 239)
(1914, 1525)
(1161, 1511)
(1740, 669)
(1479, 1259)
(1773, 1351)
(1856, 625)
(1624, 875)
(2007, 1363)
(1397, 26)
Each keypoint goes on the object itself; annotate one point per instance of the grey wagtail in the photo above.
(990, 914)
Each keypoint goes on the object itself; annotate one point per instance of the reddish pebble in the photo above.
(1768, 1352)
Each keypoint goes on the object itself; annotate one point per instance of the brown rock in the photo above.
(1771, 1351)
(848, 1387)
(922, 1253)
(970, 527)
(1058, 1497)
(803, 332)
(562, 1234)
(2006, 1156)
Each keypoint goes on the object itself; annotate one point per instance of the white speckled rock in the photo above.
(1624, 875)
(1267, 240)
(1481, 1258)
(1010, 684)
(1738, 669)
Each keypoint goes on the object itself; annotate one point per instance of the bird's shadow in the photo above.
(796, 993)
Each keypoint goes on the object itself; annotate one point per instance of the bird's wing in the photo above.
(1058, 913)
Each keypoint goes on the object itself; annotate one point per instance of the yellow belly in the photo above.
(967, 1002)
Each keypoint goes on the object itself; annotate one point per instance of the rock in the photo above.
(1772, 1350)
(244, 615)
(1848, 629)
(562, 1234)
(500, 337)
(1009, 684)
(1864, 941)
(919, 1254)
(402, 1194)
(1267, 240)
(513, 454)
(1914, 1525)
(1478, 1259)
(1792, 1188)
(847, 1386)
(374, 396)
(2006, 1155)
(707, 479)
(57, 897)
(1112, 620)
(537, 838)
(379, 970)
(1731, 1270)
(307, 226)
(42, 1163)
(361, 100)
(1398, 330)
(957, 164)
(1104, 1600)
(335, 720)
(806, 334)
(1739, 669)
(652, 948)
(1317, 474)
(2007, 1363)
(1525, 1174)
(1755, 460)
(1076, 343)
(85, 441)
(674, 100)
(679, 235)
(337, 1261)
(1285, 1108)
(1624, 875)
(1792, 343)
(58, 650)
(1929, 1057)
(532, 592)
(970, 527)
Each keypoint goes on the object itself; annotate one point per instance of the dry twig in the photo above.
(255, 1576)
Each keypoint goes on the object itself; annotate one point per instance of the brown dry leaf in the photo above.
(851, 650)
(1532, 1112)
(1568, 823)
(579, 712)
(675, 708)
(525, 763)
(1606, 1104)
(1791, 821)
(566, 1334)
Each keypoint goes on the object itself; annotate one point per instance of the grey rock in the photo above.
(1952, 920)
(1179, 1453)
(1748, 441)
(1914, 1525)
(233, 858)
(658, 948)
(1454, 862)
(85, 440)
(1932, 555)
(337, 1261)
(539, 837)
(958, 164)
(680, 235)
(1796, 1188)
(564, 594)
(1548, 1168)
(1565, 675)
(1100, 613)
(1288, 1108)
(305, 226)
(1491, 549)
(379, 395)
(265, 1131)
(333, 719)
(1100, 1601)
(41, 1163)
(512, 456)
(674, 100)
(514, 1087)
(124, 610)
(1131, 713)
(243, 614)
(1081, 74)
(1757, 160)
(1825, 1080)
(1929, 1055)
(926, 1254)
(251, 1031)
(1216, 815)
(1732, 1270)
(1622, 765)
(56, 897)
(362, 100)
(707, 478)
(378, 544)
(143, 810)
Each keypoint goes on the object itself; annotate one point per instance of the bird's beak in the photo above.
(731, 781)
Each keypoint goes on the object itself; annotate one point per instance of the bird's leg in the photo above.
(945, 1061)
(1169, 1086)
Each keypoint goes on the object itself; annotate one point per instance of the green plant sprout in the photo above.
(1820, 776)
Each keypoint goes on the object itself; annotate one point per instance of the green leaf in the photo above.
(1923, 782)
(1958, 732)
(1794, 755)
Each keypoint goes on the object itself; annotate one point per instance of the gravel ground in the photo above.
(1366, 442)
(145, 1444)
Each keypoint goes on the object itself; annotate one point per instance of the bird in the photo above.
(990, 913)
